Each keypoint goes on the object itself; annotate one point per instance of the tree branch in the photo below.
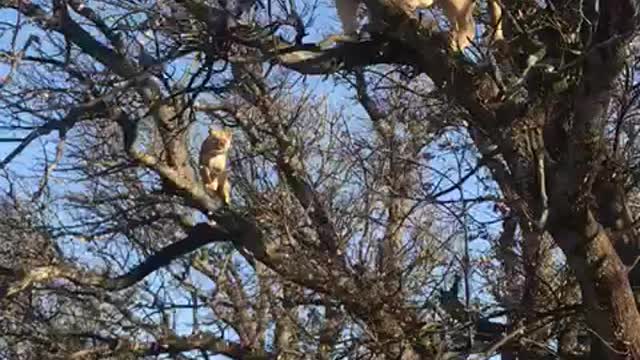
(171, 345)
(200, 235)
(74, 115)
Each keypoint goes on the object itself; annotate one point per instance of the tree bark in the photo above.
(606, 292)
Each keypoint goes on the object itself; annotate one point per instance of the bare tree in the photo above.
(451, 204)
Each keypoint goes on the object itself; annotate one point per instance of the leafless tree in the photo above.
(447, 205)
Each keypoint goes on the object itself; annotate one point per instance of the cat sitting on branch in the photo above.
(459, 13)
(213, 164)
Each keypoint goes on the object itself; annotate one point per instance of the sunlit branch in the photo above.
(200, 235)
(170, 345)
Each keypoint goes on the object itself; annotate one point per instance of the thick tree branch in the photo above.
(315, 60)
(604, 283)
(81, 8)
(200, 235)
(616, 24)
(589, 249)
(170, 345)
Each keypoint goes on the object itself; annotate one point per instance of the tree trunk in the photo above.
(610, 306)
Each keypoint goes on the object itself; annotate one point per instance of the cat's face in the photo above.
(223, 138)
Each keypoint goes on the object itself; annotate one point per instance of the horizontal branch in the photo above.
(171, 345)
(313, 59)
(200, 235)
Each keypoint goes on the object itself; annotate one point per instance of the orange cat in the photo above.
(213, 164)
(458, 12)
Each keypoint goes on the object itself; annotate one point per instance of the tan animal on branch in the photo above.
(459, 13)
(213, 164)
